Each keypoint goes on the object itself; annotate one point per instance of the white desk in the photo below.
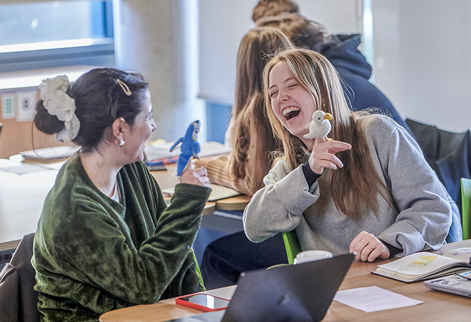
(21, 200)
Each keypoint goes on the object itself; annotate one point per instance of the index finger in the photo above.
(336, 146)
(341, 146)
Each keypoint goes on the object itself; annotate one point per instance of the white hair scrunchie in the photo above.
(58, 103)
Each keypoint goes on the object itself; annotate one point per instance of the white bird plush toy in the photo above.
(320, 126)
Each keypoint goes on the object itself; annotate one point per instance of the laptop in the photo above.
(301, 292)
(452, 284)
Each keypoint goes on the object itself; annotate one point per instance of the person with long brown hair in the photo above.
(251, 137)
(367, 191)
(251, 158)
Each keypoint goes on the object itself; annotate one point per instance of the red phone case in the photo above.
(179, 301)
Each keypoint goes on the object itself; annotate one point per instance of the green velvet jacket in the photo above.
(93, 255)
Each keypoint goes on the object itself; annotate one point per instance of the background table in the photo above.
(21, 200)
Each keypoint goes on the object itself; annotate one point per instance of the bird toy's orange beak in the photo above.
(327, 116)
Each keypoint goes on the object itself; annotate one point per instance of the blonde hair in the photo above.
(357, 183)
(251, 131)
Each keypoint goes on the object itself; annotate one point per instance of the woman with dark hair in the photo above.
(106, 238)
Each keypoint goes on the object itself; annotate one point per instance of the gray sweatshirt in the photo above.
(419, 220)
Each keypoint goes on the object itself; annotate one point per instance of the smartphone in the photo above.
(204, 302)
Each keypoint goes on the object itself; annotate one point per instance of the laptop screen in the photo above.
(301, 292)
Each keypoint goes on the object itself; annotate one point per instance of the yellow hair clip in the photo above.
(125, 87)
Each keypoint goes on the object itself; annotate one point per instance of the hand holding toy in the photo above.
(189, 146)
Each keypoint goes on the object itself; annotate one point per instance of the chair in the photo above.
(292, 246)
(449, 155)
(18, 299)
(466, 207)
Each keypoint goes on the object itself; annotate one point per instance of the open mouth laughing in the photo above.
(291, 112)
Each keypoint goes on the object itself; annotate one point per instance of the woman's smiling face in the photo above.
(139, 133)
(292, 104)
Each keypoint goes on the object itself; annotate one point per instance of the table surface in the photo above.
(436, 306)
(22, 197)
(21, 200)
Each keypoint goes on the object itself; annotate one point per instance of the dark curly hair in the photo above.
(304, 33)
(266, 8)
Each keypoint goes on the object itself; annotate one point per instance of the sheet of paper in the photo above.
(373, 298)
(5, 163)
(463, 253)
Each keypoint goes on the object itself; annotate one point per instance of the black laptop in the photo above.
(301, 292)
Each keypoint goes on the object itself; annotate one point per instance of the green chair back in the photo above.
(291, 245)
(466, 207)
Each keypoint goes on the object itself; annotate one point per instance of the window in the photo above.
(56, 33)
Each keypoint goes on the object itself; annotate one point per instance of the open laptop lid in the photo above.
(301, 292)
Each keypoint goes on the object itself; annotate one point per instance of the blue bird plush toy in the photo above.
(189, 148)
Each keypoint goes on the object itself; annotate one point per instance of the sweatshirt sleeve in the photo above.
(424, 216)
(272, 209)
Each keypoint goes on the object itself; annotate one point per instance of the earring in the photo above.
(121, 142)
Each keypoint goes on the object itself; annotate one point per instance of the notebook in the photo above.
(451, 284)
(301, 292)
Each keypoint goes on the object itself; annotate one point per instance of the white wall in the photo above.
(223, 24)
(422, 59)
(158, 39)
(421, 51)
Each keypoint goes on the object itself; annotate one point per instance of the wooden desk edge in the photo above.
(11, 245)
(233, 203)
